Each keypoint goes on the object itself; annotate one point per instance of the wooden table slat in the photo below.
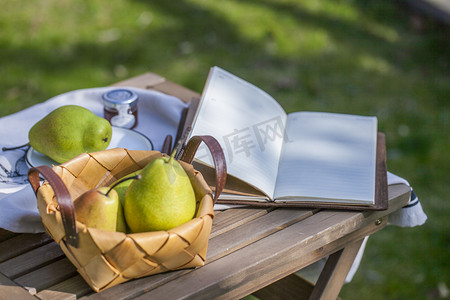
(257, 229)
(31, 260)
(48, 275)
(55, 295)
(74, 287)
(14, 292)
(137, 287)
(5, 234)
(5, 280)
(22, 243)
(230, 219)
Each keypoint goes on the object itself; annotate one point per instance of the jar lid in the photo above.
(119, 96)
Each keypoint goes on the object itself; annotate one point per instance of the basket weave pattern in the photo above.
(105, 259)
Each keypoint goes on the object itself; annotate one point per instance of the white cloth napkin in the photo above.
(158, 115)
(412, 214)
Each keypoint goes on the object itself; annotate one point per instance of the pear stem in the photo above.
(172, 156)
(14, 148)
(122, 180)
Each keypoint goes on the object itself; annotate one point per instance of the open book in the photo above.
(311, 159)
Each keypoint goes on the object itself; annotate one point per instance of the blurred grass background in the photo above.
(359, 57)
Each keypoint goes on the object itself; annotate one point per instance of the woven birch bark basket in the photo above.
(105, 259)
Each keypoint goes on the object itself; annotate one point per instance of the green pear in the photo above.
(162, 199)
(97, 208)
(121, 185)
(68, 131)
(121, 224)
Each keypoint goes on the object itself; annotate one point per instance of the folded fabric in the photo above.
(158, 116)
(412, 214)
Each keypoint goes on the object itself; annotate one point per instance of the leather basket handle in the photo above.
(217, 155)
(167, 145)
(63, 198)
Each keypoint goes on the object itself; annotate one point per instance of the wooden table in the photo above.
(251, 251)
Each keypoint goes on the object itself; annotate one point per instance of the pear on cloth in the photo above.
(68, 131)
(162, 199)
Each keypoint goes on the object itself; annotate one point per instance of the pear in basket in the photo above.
(162, 199)
(97, 208)
(121, 186)
(101, 208)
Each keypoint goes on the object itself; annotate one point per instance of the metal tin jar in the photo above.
(120, 108)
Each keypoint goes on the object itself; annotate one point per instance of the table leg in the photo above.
(335, 271)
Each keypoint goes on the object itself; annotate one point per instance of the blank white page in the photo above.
(249, 125)
(329, 156)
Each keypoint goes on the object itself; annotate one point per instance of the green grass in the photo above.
(360, 57)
